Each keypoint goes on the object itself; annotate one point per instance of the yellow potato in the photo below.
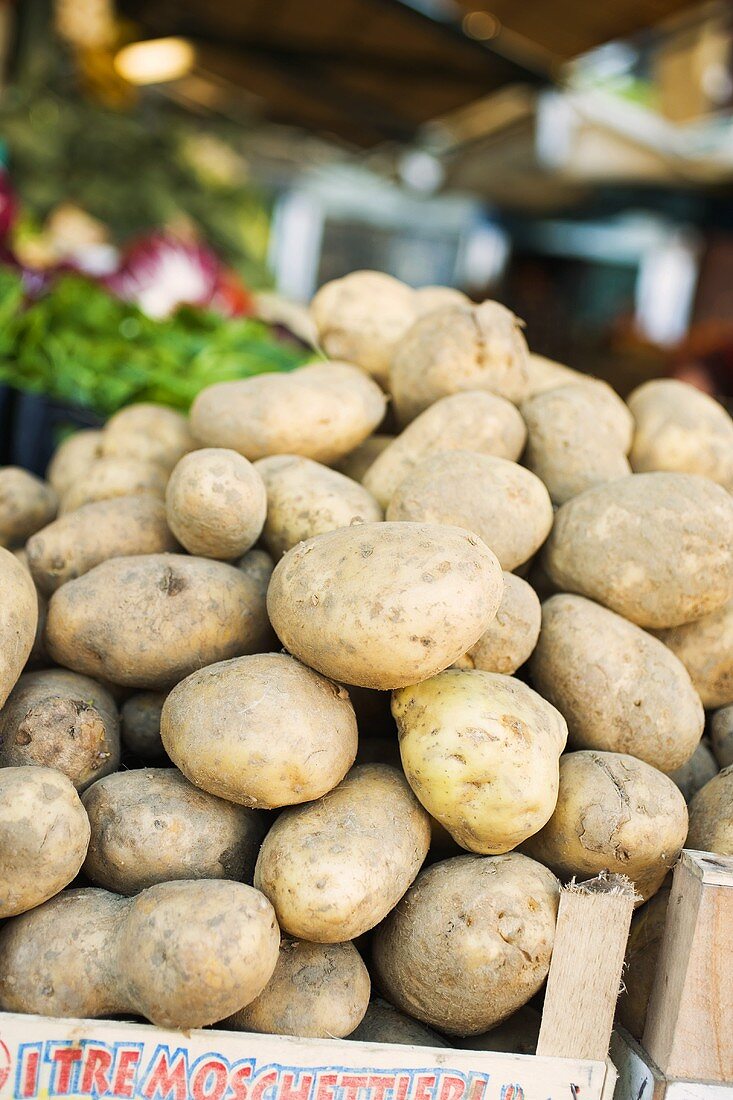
(18, 620)
(73, 457)
(383, 605)
(384, 1024)
(705, 648)
(509, 640)
(481, 751)
(114, 477)
(140, 730)
(148, 433)
(26, 505)
(357, 462)
(546, 374)
(699, 770)
(711, 816)
(428, 298)
(721, 733)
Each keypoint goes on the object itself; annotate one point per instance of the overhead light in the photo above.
(155, 61)
(481, 25)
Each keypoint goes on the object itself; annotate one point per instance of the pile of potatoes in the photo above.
(312, 700)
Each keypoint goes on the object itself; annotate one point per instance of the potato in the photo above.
(642, 954)
(518, 1034)
(321, 411)
(60, 720)
(263, 731)
(682, 429)
(468, 421)
(578, 437)
(114, 477)
(78, 541)
(721, 734)
(26, 504)
(73, 457)
(384, 1024)
(470, 943)
(140, 731)
(653, 547)
(545, 374)
(615, 684)
(711, 816)
(148, 433)
(18, 620)
(152, 825)
(501, 502)
(215, 503)
(334, 868)
(318, 990)
(258, 566)
(181, 954)
(147, 621)
(614, 813)
(360, 317)
(358, 461)
(458, 348)
(44, 833)
(480, 751)
(509, 640)
(699, 770)
(705, 648)
(305, 499)
(384, 605)
(428, 298)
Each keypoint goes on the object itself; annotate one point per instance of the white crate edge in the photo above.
(43, 1058)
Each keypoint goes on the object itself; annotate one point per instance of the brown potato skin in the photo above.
(73, 457)
(318, 990)
(384, 605)
(58, 719)
(148, 621)
(79, 540)
(615, 684)
(26, 504)
(152, 825)
(614, 813)
(44, 833)
(140, 729)
(383, 1023)
(705, 648)
(305, 499)
(612, 544)
(509, 640)
(181, 954)
(711, 816)
(148, 433)
(321, 411)
(334, 868)
(18, 620)
(264, 731)
(470, 942)
(114, 477)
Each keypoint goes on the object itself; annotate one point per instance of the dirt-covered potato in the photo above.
(470, 942)
(384, 605)
(501, 502)
(147, 621)
(140, 729)
(360, 317)
(263, 731)
(148, 433)
(321, 411)
(152, 825)
(318, 990)
(458, 348)
(509, 640)
(383, 1023)
(578, 437)
(305, 499)
(258, 566)
(680, 428)
(656, 548)
(614, 813)
(215, 503)
(470, 421)
(334, 868)
(44, 833)
(481, 751)
(642, 954)
(699, 770)
(518, 1034)
(78, 541)
(73, 457)
(18, 620)
(546, 374)
(705, 648)
(356, 464)
(108, 478)
(58, 719)
(180, 954)
(711, 816)
(721, 735)
(619, 689)
(26, 504)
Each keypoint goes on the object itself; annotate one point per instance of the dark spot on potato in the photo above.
(170, 583)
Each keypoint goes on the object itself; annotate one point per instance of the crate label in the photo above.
(41, 1059)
